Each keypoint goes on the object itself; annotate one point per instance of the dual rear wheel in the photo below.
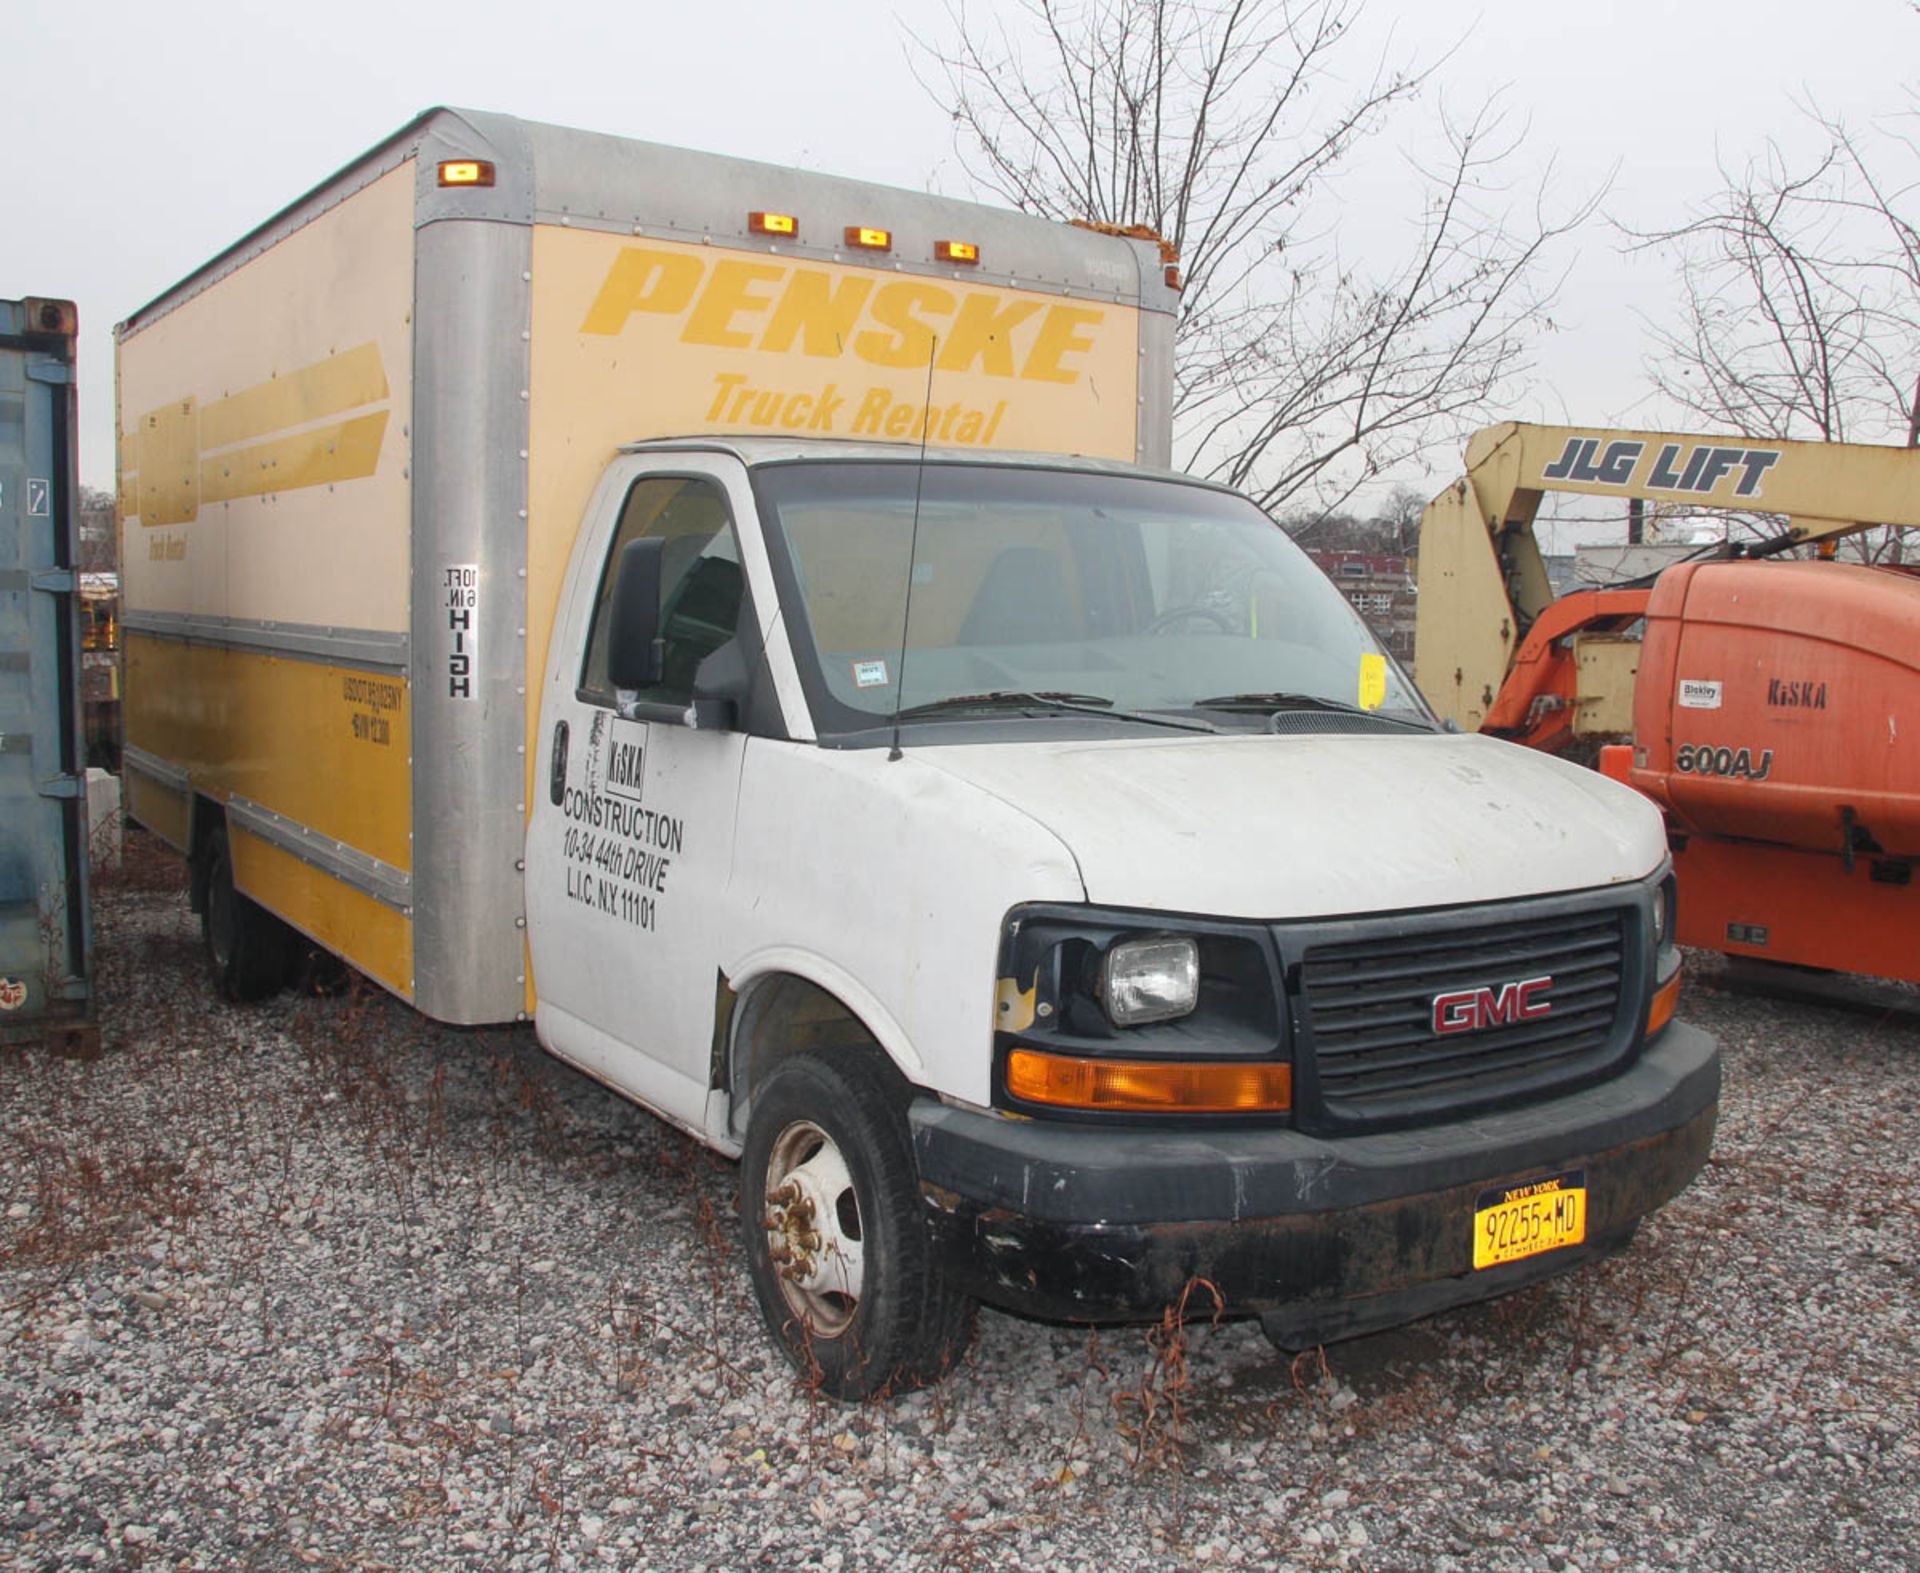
(252, 953)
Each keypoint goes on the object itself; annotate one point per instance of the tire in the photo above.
(835, 1232)
(317, 972)
(250, 950)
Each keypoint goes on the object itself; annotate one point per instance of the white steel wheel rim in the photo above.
(815, 1229)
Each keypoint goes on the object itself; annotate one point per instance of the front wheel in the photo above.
(835, 1235)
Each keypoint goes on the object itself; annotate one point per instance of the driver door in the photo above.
(630, 843)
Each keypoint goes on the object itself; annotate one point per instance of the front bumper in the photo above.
(1323, 1237)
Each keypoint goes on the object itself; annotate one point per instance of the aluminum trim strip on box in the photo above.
(349, 865)
(989, 278)
(469, 658)
(373, 648)
(620, 185)
(160, 771)
(1153, 443)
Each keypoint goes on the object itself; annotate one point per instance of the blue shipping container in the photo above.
(44, 938)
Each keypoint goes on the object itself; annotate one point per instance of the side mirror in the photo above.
(634, 656)
(720, 688)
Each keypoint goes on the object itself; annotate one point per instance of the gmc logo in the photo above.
(1469, 1010)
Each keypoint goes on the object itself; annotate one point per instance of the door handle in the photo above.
(557, 769)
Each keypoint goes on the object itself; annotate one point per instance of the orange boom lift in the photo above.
(1773, 706)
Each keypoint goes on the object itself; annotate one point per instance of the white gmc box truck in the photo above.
(730, 617)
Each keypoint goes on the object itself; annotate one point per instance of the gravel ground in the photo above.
(321, 1284)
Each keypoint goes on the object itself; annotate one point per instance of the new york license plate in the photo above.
(1511, 1222)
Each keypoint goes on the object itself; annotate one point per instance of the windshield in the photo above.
(1037, 589)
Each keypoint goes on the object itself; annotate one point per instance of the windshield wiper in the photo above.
(1003, 698)
(1028, 699)
(1268, 703)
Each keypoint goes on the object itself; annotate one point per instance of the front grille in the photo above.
(1368, 1007)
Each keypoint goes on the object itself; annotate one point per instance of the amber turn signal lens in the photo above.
(466, 172)
(1665, 998)
(1150, 1086)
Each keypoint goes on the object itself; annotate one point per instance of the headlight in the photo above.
(1666, 992)
(1145, 980)
(1105, 1012)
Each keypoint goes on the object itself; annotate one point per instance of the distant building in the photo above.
(1597, 567)
(1561, 573)
(1381, 589)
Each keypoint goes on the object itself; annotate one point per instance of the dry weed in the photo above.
(1158, 1406)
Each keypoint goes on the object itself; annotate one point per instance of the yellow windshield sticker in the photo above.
(1373, 681)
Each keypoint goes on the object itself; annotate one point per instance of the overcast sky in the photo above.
(142, 138)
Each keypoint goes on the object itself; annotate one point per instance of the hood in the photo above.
(1257, 826)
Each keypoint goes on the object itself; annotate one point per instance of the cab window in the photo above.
(701, 582)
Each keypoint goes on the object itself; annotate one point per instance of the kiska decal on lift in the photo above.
(1795, 694)
(1706, 760)
(1693, 468)
(1471, 1010)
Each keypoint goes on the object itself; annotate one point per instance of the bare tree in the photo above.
(1800, 294)
(1400, 516)
(1799, 311)
(1219, 126)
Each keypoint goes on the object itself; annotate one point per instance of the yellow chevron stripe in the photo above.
(329, 387)
(345, 452)
(165, 470)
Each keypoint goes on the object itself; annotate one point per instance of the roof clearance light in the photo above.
(784, 224)
(957, 251)
(466, 172)
(861, 239)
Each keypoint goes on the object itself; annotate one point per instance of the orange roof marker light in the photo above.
(466, 172)
(782, 224)
(964, 251)
(863, 239)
